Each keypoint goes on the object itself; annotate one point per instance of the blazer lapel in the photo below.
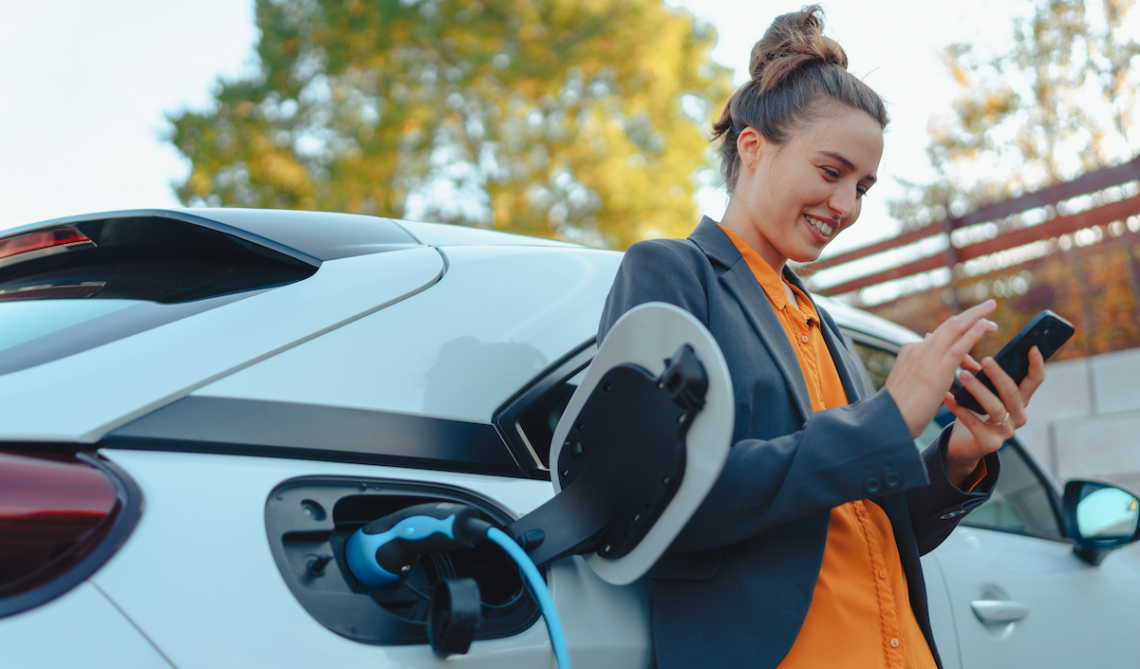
(741, 282)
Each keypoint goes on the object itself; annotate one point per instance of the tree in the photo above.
(1061, 101)
(584, 119)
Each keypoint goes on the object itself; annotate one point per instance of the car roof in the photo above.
(851, 318)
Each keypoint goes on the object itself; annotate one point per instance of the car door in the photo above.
(1018, 594)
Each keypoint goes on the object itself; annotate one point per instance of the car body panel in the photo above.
(496, 319)
(439, 234)
(157, 366)
(1079, 615)
(81, 629)
(200, 581)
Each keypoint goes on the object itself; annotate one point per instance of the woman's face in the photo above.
(796, 198)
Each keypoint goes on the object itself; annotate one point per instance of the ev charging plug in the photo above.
(382, 553)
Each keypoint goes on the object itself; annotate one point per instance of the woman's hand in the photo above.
(924, 371)
(973, 437)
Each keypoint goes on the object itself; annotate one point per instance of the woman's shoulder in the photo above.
(666, 251)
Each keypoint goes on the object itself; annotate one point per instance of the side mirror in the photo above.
(1100, 517)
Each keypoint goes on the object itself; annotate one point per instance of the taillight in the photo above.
(42, 239)
(58, 513)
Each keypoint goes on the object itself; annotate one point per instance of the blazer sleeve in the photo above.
(838, 456)
(858, 451)
(936, 509)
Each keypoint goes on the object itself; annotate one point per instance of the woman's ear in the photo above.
(750, 146)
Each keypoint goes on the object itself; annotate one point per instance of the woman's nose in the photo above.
(843, 202)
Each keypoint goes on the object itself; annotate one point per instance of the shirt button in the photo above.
(804, 338)
(862, 511)
(895, 643)
(882, 573)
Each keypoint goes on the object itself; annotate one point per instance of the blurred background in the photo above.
(1008, 172)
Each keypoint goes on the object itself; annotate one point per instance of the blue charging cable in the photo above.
(382, 553)
(538, 589)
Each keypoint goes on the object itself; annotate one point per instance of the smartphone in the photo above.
(1047, 331)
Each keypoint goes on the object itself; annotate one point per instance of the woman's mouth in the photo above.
(825, 228)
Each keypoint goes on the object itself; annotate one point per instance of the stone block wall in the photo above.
(1085, 421)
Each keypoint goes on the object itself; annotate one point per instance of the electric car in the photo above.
(198, 408)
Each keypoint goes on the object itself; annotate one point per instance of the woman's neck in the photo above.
(737, 218)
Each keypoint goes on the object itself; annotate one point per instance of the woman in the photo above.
(806, 552)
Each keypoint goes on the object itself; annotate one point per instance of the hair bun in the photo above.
(791, 42)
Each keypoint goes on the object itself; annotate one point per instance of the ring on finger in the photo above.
(1003, 420)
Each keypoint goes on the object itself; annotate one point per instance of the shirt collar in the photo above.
(769, 280)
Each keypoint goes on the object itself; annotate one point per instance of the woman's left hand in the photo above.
(973, 436)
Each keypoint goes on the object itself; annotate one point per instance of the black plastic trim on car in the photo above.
(507, 417)
(308, 521)
(130, 508)
(318, 432)
(311, 237)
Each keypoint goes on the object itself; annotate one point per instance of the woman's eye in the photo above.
(861, 192)
(833, 173)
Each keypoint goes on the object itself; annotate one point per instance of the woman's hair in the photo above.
(795, 69)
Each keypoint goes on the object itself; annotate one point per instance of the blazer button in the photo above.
(872, 486)
(892, 480)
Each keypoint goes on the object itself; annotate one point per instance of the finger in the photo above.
(985, 434)
(958, 325)
(954, 329)
(990, 403)
(960, 348)
(1008, 391)
(1035, 377)
(969, 363)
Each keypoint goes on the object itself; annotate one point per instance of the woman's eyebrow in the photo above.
(847, 163)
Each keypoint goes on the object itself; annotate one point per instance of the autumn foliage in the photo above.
(1096, 288)
(579, 119)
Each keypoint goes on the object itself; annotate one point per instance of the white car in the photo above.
(199, 407)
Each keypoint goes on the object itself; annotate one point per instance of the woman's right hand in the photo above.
(924, 371)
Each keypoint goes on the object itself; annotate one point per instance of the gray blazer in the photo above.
(734, 588)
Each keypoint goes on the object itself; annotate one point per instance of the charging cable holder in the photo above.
(621, 463)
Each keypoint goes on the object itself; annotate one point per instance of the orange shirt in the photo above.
(860, 613)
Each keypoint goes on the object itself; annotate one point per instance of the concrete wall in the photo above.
(1085, 420)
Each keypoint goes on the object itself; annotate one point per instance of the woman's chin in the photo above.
(805, 256)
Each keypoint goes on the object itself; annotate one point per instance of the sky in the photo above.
(87, 86)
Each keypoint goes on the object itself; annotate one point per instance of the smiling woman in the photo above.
(806, 551)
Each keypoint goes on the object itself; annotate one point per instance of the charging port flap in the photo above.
(640, 444)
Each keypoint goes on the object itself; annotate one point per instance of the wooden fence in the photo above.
(1098, 209)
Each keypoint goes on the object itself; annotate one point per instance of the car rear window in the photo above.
(68, 288)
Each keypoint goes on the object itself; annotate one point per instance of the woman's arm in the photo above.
(854, 452)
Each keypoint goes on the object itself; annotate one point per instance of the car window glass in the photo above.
(1021, 501)
(876, 362)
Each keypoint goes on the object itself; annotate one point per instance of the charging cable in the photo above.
(382, 553)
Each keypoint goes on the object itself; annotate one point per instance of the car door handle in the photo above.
(999, 611)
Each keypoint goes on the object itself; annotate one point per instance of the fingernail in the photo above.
(988, 363)
(966, 376)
